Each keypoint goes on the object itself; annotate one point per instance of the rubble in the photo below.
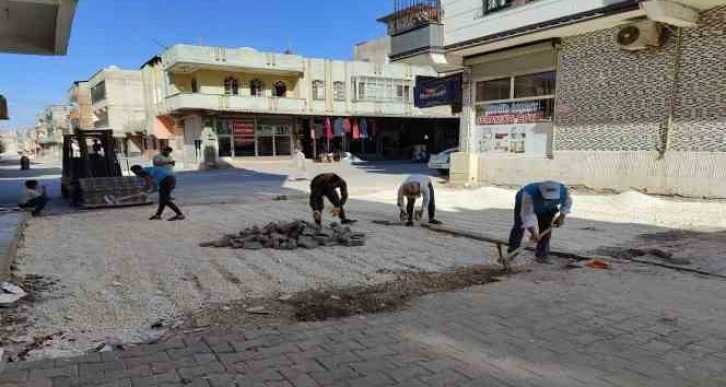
(289, 236)
(9, 294)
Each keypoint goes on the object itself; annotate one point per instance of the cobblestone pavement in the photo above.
(634, 325)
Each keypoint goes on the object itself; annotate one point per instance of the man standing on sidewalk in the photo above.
(325, 185)
(164, 159)
(536, 207)
(412, 188)
(163, 180)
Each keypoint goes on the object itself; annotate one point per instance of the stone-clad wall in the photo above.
(614, 100)
(700, 111)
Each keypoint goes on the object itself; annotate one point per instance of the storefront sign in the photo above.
(509, 113)
(243, 130)
(431, 92)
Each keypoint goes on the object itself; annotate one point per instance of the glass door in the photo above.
(265, 140)
(283, 140)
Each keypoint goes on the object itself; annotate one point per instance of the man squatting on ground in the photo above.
(325, 185)
(33, 198)
(163, 179)
(536, 206)
(412, 188)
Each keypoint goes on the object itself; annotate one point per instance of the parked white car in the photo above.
(442, 161)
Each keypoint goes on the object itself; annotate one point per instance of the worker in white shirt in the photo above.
(412, 188)
(164, 159)
(539, 207)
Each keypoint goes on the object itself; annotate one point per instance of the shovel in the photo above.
(506, 260)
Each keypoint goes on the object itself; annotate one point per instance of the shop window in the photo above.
(382, 89)
(494, 90)
(339, 91)
(256, 88)
(524, 98)
(319, 90)
(280, 89)
(231, 86)
(534, 85)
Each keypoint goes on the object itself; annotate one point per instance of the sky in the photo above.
(126, 33)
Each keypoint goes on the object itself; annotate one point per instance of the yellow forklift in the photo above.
(92, 176)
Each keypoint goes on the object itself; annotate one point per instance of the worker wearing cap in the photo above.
(412, 188)
(325, 185)
(536, 210)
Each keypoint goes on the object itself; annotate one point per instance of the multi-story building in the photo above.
(220, 102)
(117, 100)
(602, 93)
(53, 123)
(82, 114)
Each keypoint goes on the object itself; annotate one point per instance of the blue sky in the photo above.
(128, 32)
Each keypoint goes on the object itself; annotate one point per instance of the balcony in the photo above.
(235, 103)
(188, 59)
(36, 27)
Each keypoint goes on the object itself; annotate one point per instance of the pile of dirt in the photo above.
(289, 236)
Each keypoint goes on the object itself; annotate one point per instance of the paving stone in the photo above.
(303, 381)
(169, 377)
(340, 359)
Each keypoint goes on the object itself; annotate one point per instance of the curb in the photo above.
(8, 256)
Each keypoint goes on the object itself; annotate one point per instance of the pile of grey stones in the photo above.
(289, 236)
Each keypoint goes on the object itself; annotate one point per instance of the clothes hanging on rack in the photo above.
(356, 129)
(363, 128)
(346, 125)
(338, 127)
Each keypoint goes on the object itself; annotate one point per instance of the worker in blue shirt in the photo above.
(539, 207)
(164, 181)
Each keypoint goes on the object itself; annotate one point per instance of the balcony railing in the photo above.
(184, 58)
(411, 14)
(235, 103)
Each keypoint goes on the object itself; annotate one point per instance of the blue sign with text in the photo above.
(430, 91)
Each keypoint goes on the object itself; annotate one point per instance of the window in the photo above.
(339, 91)
(518, 99)
(195, 85)
(534, 85)
(494, 90)
(496, 5)
(280, 89)
(256, 88)
(319, 90)
(231, 86)
(382, 89)
(98, 92)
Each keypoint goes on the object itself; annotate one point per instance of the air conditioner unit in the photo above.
(639, 36)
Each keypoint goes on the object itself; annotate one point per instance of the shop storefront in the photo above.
(514, 102)
(255, 136)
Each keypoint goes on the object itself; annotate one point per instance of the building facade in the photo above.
(604, 94)
(79, 96)
(220, 104)
(117, 100)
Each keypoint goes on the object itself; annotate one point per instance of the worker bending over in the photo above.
(163, 180)
(325, 185)
(536, 206)
(412, 188)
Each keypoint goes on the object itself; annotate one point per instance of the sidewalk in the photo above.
(632, 326)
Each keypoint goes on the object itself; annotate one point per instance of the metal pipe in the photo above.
(666, 135)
